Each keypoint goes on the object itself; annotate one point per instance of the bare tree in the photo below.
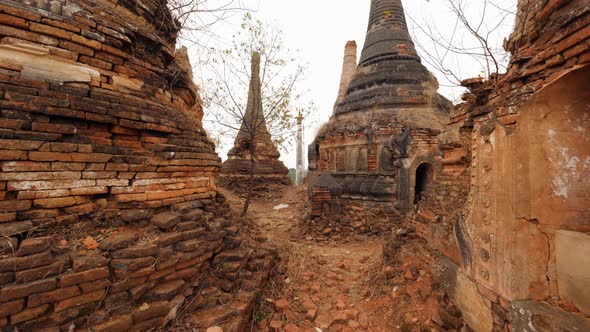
(195, 18)
(252, 91)
(472, 39)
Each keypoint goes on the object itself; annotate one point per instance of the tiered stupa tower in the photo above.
(268, 167)
(384, 124)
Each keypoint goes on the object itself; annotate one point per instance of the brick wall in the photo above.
(499, 215)
(108, 209)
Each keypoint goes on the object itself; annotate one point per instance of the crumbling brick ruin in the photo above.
(504, 204)
(109, 215)
(509, 210)
(253, 144)
(385, 123)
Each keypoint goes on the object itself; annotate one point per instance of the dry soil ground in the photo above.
(329, 286)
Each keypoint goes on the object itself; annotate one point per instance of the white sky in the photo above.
(319, 29)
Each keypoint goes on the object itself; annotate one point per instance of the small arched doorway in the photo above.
(424, 177)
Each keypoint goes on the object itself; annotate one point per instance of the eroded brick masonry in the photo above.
(109, 214)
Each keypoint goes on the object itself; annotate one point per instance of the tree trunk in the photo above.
(250, 185)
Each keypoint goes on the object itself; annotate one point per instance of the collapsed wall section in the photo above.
(109, 214)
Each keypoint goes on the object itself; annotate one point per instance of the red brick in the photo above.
(76, 47)
(10, 308)
(116, 324)
(16, 11)
(14, 205)
(33, 176)
(86, 276)
(53, 296)
(155, 309)
(94, 62)
(43, 194)
(53, 128)
(67, 166)
(14, 21)
(95, 285)
(82, 208)
(61, 24)
(83, 263)
(90, 190)
(58, 202)
(12, 292)
(12, 144)
(86, 42)
(13, 155)
(40, 272)
(13, 123)
(5, 217)
(162, 273)
(49, 185)
(28, 314)
(25, 166)
(49, 30)
(122, 274)
(33, 246)
(80, 300)
(35, 37)
(126, 284)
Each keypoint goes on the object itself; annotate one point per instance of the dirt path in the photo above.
(325, 285)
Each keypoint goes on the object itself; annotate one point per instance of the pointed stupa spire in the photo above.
(253, 120)
(387, 34)
(390, 74)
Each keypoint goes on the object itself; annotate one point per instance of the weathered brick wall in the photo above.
(108, 210)
(509, 215)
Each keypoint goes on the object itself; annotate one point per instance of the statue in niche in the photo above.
(396, 149)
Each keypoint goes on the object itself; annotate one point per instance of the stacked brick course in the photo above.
(108, 209)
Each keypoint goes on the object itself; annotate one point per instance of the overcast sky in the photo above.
(319, 29)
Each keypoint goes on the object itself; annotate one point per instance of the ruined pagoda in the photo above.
(384, 124)
(253, 143)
